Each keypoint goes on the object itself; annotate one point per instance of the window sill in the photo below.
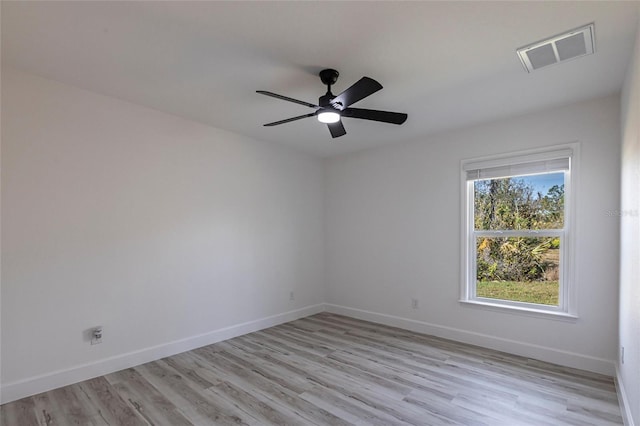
(518, 310)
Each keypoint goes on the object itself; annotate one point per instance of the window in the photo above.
(517, 231)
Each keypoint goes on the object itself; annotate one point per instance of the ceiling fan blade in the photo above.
(275, 123)
(375, 115)
(360, 90)
(336, 129)
(286, 98)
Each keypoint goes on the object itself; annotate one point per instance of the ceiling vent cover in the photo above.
(563, 47)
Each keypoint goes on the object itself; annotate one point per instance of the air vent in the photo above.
(563, 47)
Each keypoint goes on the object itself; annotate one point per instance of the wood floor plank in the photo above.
(212, 411)
(20, 412)
(436, 388)
(152, 405)
(111, 407)
(73, 407)
(186, 370)
(44, 410)
(271, 372)
(304, 365)
(329, 369)
(442, 408)
(349, 408)
(264, 412)
(318, 371)
(280, 394)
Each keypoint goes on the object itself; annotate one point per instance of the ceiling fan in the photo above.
(331, 108)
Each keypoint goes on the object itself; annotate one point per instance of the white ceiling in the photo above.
(446, 64)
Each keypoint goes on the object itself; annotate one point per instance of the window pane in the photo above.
(520, 202)
(520, 269)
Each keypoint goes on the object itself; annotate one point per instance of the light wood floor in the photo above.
(330, 370)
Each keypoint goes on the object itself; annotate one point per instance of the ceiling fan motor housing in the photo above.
(325, 101)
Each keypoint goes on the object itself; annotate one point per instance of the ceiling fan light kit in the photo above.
(328, 117)
(331, 108)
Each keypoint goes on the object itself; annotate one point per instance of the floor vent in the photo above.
(563, 47)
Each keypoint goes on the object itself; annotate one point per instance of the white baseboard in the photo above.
(542, 353)
(625, 408)
(34, 385)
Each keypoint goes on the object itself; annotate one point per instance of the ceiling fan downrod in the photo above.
(328, 78)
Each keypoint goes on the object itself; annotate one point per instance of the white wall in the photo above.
(158, 228)
(393, 233)
(629, 372)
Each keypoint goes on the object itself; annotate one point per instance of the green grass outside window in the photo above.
(542, 292)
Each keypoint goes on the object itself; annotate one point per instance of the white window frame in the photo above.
(517, 164)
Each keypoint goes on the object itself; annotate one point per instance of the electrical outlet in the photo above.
(292, 296)
(414, 303)
(96, 335)
(621, 354)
